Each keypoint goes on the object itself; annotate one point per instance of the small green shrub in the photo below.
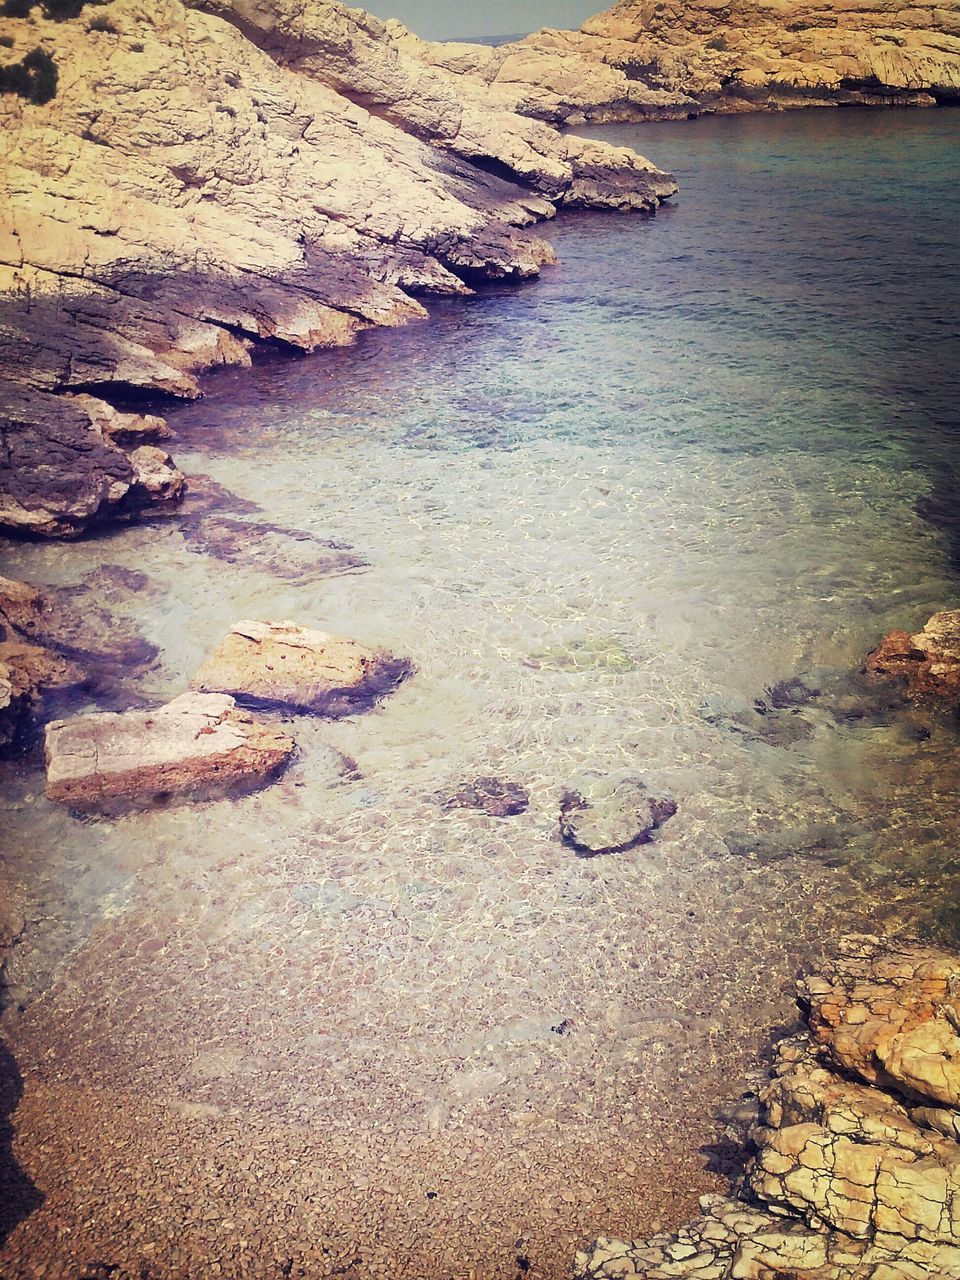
(35, 78)
(58, 10)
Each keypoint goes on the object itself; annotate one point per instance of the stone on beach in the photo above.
(601, 814)
(283, 664)
(929, 661)
(198, 744)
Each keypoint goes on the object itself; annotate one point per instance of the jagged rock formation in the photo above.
(202, 182)
(929, 661)
(642, 60)
(856, 1170)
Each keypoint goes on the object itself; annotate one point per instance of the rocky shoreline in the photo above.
(853, 1160)
(200, 186)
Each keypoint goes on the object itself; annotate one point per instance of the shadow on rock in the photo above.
(18, 1196)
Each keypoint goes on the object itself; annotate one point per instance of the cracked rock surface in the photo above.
(206, 180)
(855, 1172)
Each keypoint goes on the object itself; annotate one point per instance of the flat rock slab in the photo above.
(610, 814)
(284, 665)
(199, 745)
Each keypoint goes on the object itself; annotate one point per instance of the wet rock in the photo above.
(595, 654)
(27, 672)
(66, 620)
(291, 554)
(198, 745)
(929, 661)
(494, 796)
(600, 814)
(128, 430)
(60, 474)
(283, 664)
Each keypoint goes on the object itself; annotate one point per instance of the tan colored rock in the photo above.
(850, 1180)
(27, 672)
(198, 745)
(929, 661)
(887, 1014)
(287, 665)
(187, 194)
(640, 60)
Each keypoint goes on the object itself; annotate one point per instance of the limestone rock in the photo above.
(199, 745)
(642, 61)
(850, 1180)
(210, 177)
(887, 1014)
(494, 796)
(283, 664)
(929, 661)
(60, 472)
(601, 814)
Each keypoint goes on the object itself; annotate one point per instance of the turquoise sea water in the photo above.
(705, 457)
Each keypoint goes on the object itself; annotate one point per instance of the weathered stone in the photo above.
(848, 1182)
(929, 661)
(642, 61)
(199, 745)
(283, 664)
(601, 814)
(495, 797)
(59, 472)
(187, 194)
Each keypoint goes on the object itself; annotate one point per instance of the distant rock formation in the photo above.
(205, 179)
(856, 1167)
(643, 60)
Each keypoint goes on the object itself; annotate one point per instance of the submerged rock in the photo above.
(856, 1171)
(286, 665)
(27, 672)
(199, 745)
(929, 661)
(495, 797)
(601, 814)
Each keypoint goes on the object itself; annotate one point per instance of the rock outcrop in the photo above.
(609, 814)
(929, 661)
(641, 60)
(285, 665)
(856, 1167)
(206, 179)
(199, 745)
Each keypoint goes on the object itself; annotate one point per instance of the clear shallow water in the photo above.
(704, 455)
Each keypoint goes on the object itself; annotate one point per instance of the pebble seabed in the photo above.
(340, 1027)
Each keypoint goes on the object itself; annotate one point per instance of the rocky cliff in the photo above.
(203, 180)
(673, 58)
